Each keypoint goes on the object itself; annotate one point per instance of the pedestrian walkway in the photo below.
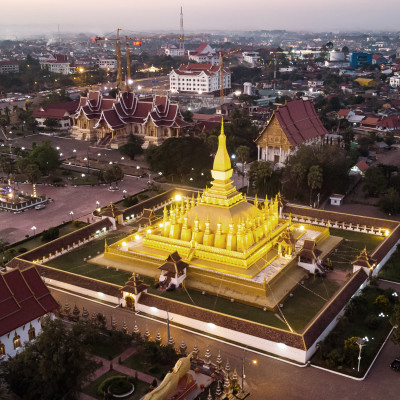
(116, 366)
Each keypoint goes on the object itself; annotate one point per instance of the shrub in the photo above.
(78, 224)
(57, 179)
(334, 358)
(103, 387)
(22, 250)
(373, 321)
(50, 234)
(129, 201)
(120, 386)
(382, 302)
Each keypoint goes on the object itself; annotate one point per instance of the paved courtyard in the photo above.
(81, 200)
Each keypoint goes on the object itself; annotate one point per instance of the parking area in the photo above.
(80, 200)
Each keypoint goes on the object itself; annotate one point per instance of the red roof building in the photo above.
(290, 126)
(204, 54)
(24, 299)
(110, 120)
(62, 112)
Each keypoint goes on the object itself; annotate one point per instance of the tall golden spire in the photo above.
(222, 161)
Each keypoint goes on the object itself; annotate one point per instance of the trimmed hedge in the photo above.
(103, 387)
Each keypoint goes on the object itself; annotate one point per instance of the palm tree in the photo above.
(242, 154)
(297, 173)
(33, 174)
(3, 248)
(314, 179)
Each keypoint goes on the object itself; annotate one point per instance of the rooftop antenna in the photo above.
(182, 37)
(59, 37)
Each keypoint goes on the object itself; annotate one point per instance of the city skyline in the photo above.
(310, 15)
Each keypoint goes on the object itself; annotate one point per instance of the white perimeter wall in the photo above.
(279, 349)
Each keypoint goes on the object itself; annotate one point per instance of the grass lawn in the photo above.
(222, 305)
(62, 175)
(74, 261)
(154, 369)
(36, 241)
(355, 324)
(350, 248)
(391, 270)
(108, 351)
(307, 300)
(141, 388)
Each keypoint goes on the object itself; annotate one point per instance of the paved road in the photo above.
(269, 378)
(81, 200)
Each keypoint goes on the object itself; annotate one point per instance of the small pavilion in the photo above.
(113, 212)
(286, 243)
(173, 271)
(132, 290)
(364, 261)
(309, 257)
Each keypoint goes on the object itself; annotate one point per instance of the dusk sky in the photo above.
(24, 16)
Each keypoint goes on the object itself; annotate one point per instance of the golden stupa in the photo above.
(220, 225)
(229, 243)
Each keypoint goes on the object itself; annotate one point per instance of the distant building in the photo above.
(174, 51)
(25, 299)
(379, 59)
(199, 78)
(336, 56)
(204, 54)
(290, 126)
(398, 50)
(394, 81)
(251, 57)
(107, 64)
(62, 112)
(360, 168)
(9, 66)
(365, 82)
(358, 60)
(57, 63)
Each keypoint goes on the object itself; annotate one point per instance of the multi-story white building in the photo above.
(9, 66)
(199, 78)
(57, 63)
(174, 51)
(108, 64)
(204, 54)
(394, 81)
(251, 57)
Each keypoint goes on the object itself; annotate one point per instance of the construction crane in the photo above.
(222, 54)
(137, 41)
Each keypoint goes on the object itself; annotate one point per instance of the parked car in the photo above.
(40, 206)
(395, 365)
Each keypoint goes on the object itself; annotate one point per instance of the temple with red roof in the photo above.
(204, 54)
(290, 126)
(107, 120)
(24, 300)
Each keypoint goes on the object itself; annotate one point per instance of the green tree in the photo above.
(242, 155)
(179, 157)
(51, 123)
(351, 350)
(54, 367)
(133, 147)
(3, 248)
(33, 174)
(390, 202)
(259, 175)
(50, 234)
(7, 164)
(395, 321)
(187, 116)
(113, 174)
(374, 181)
(45, 157)
(382, 302)
(298, 173)
(314, 179)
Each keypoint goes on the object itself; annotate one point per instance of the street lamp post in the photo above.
(34, 230)
(361, 343)
(71, 213)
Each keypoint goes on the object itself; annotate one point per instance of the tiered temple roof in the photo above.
(364, 260)
(134, 285)
(309, 250)
(174, 264)
(128, 108)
